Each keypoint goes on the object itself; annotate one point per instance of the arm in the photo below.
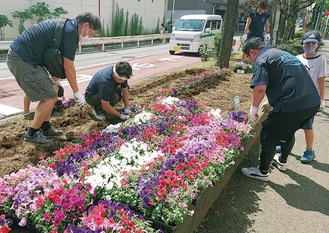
(322, 90)
(258, 95)
(246, 28)
(106, 106)
(71, 74)
(267, 26)
(125, 96)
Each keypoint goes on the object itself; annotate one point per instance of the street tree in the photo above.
(230, 20)
(4, 21)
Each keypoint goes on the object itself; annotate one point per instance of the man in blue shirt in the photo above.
(25, 62)
(289, 90)
(106, 88)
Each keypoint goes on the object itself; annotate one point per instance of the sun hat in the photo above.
(311, 36)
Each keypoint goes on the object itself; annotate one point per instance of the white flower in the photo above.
(112, 128)
(170, 100)
(142, 118)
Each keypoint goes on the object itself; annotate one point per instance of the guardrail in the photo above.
(124, 39)
(4, 45)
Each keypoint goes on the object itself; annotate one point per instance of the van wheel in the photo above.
(172, 52)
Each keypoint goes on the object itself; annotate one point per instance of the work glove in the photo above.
(123, 117)
(126, 111)
(253, 111)
(79, 99)
(266, 107)
(267, 37)
(244, 37)
(322, 105)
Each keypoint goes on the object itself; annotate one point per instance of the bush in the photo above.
(292, 46)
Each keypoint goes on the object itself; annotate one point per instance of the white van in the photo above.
(194, 31)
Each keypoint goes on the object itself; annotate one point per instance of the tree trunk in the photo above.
(228, 33)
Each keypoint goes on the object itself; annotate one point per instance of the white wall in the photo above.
(148, 10)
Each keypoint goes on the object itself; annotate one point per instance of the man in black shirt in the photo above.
(287, 85)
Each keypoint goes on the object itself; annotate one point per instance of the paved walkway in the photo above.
(296, 200)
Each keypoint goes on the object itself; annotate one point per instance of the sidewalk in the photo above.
(296, 200)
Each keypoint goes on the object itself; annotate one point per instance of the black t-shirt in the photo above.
(256, 27)
(35, 40)
(289, 86)
(103, 84)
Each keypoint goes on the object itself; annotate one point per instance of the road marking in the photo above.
(170, 58)
(80, 79)
(6, 110)
(137, 66)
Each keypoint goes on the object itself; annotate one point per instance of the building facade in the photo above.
(151, 11)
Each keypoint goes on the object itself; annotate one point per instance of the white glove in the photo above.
(266, 107)
(126, 111)
(253, 111)
(244, 37)
(267, 37)
(124, 117)
(79, 98)
(322, 105)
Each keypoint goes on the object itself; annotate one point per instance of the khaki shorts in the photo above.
(34, 80)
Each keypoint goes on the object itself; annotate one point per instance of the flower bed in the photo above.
(156, 164)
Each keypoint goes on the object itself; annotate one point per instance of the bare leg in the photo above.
(27, 103)
(309, 138)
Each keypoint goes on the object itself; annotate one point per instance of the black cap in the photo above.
(312, 36)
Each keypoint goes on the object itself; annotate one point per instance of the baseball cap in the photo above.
(312, 36)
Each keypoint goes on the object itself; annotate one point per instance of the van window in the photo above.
(214, 24)
(190, 25)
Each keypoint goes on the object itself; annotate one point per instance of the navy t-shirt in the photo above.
(35, 40)
(256, 27)
(289, 86)
(103, 84)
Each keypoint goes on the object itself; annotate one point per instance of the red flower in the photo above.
(5, 229)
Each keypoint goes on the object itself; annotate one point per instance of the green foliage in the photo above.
(41, 11)
(134, 24)
(299, 34)
(4, 21)
(292, 46)
(59, 11)
(22, 16)
(218, 41)
(118, 21)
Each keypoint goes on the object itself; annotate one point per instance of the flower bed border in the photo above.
(207, 199)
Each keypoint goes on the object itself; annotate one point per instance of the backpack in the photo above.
(52, 58)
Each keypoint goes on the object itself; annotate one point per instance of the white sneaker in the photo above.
(278, 164)
(100, 117)
(254, 172)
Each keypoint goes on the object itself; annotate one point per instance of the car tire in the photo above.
(172, 52)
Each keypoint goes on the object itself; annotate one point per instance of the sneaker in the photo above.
(254, 172)
(281, 166)
(37, 138)
(308, 156)
(100, 117)
(278, 149)
(51, 132)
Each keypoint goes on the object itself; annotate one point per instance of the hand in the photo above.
(266, 107)
(253, 111)
(124, 117)
(322, 105)
(126, 111)
(79, 99)
(244, 37)
(267, 37)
